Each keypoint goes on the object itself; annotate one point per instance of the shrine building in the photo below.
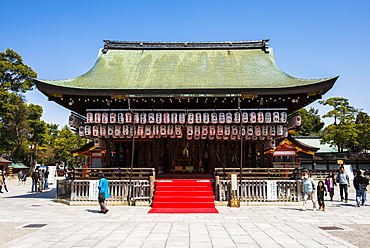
(184, 107)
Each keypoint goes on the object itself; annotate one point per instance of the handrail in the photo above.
(256, 173)
(113, 173)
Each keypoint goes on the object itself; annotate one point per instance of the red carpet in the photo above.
(183, 196)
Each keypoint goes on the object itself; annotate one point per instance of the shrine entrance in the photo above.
(171, 157)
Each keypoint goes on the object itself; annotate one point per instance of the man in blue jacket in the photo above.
(103, 193)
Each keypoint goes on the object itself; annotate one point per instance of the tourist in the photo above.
(41, 180)
(321, 192)
(360, 183)
(3, 179)
(103, 193)
(343, 180)
(20, 177)
(46, 182)
(24, 178)
(35, 181)
(308, 188)
(330, 184)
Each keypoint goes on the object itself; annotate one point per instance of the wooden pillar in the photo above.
(253, 151)
(156, 155)
(117, 154)
(262, 155)
(246, 147)
(108, 154)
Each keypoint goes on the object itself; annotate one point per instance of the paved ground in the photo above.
(125, 226)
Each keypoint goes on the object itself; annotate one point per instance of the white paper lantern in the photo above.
(221, 118)
(95, 131)
(174, 118)
(182, 118)
(166, 118)
(214, 118)
(244, 117)
(205, 118)
(283, 117)
(252, 117)
(81, 131)
(268, 117)
(112, 117)
(110, 130)
(87, 130)
(97, 117)
(143, 118)
(272, 130)
(136, 118)
(105, 118)
(128, 117)
(103, 131)
(279, 130)
(190, 118)
(89, 117)
(158, 118)
(125, 130)
(236, 117)
(204, 132)
(249, 130)
(198, 118)
(257, 130)
(121, 118)
(151, 118)
(229, 117)
(260, 117)
(117, 131)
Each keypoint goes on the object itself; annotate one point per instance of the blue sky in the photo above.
(311, 39)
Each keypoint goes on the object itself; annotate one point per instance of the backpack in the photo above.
(362, 186)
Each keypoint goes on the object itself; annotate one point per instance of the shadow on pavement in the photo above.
(49, 194)
(92, 211)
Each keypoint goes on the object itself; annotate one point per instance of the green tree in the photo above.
(343, 132)
(363, 126)
(311, 122)
(67, 140)
(15, 78)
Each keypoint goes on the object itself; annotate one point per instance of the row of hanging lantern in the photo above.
(254, 132)
(186, 118)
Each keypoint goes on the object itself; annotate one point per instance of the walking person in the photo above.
(46, 180)
(103, 193)
(3, 181)
(20, 177)
(35, 181)
(330, 184)
(343, 180)
(360, 183)
(321, 192)
(41, 180)
(308, 188)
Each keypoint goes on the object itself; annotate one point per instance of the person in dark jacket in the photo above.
(360, 183)
(321, 192)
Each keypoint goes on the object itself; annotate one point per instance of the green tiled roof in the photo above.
(184, 69)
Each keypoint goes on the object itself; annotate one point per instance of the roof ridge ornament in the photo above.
(227, 45)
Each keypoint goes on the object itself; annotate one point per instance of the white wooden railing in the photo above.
(120, 190)
(256, 190)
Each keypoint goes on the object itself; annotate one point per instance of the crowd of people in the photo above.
(40, 180)
(311, 191)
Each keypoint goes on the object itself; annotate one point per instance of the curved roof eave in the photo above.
(317, 88)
